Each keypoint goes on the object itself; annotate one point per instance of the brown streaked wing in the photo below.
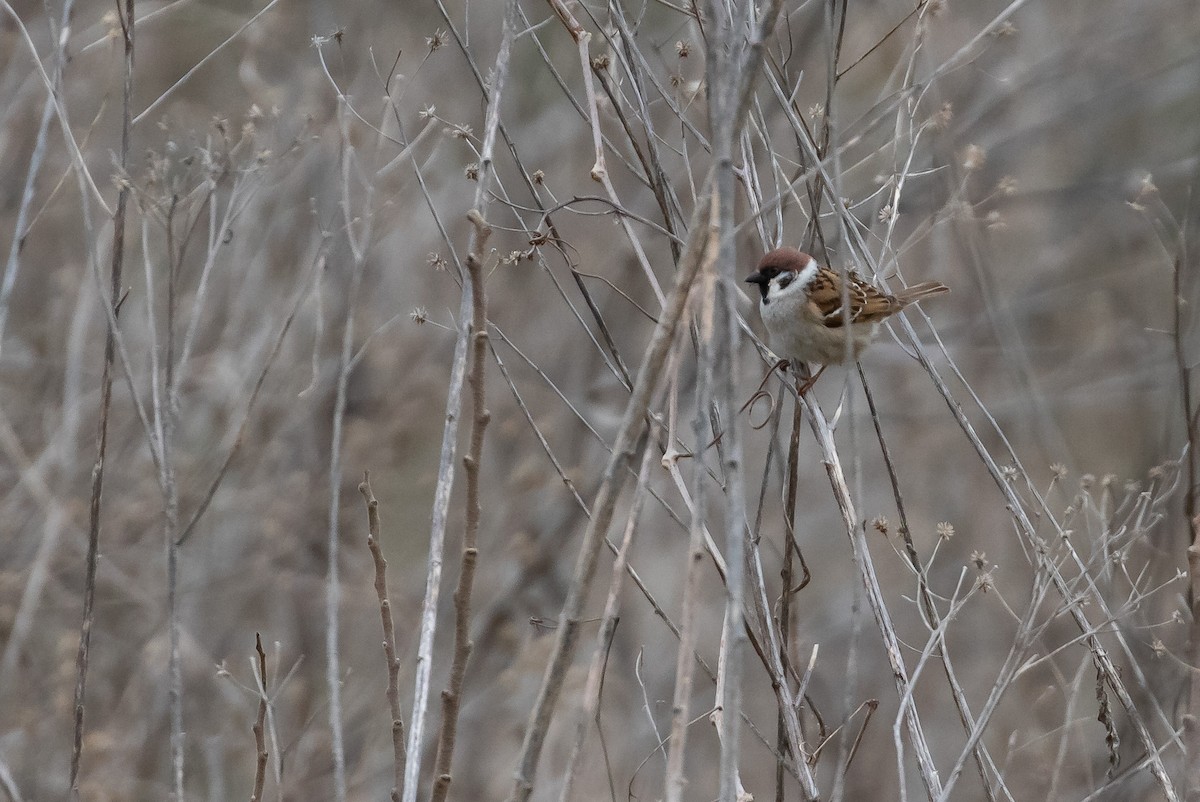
(867, 304)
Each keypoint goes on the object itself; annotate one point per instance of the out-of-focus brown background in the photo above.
(1048, 197)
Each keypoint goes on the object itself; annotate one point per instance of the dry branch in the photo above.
(452, 696)
(260, 740)
(680, 708)
(608, 626)
(613, 478)
(862, 559)
(106, 382)
(389, 633)
(445, 478)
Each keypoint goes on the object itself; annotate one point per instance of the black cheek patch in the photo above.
(785, 280)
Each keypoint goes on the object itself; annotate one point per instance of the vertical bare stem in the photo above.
(452, 696)
(732, 72)
(389, 633)
(333, 588)
(118, 259)
(445, 480)
(790, 544)
(680, 707)
(260, 738)
(1191, 719)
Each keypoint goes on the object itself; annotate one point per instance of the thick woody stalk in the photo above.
(445, 480)
(452, 696)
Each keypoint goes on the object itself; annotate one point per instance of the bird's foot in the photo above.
(801, 389)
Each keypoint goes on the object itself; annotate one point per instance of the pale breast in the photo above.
(797, 332)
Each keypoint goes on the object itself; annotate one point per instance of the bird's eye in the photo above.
(785, 280)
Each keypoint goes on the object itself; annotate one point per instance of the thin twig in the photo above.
(599, 170)
(315, 269)
(22, 225)
(615, 471)
(199, 64)
(926, 604)
(608, 626)
(866, 567)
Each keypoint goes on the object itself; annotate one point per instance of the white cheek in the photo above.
(807, 274)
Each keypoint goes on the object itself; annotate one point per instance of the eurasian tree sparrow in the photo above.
(801, 306)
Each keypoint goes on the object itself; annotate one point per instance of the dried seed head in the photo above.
(973, 158)
(437, 40)
(941, 119)
(880, 524)
(960, 208)
(985, 582)
(945, 530)
(419, 315)
(683, 48)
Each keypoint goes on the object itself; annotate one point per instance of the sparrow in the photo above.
(801, 307)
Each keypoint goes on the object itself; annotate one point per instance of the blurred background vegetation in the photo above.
(1053, 172)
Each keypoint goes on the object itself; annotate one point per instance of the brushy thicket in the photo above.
(995, 605)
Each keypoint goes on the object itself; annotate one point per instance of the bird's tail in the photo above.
(919, 292)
